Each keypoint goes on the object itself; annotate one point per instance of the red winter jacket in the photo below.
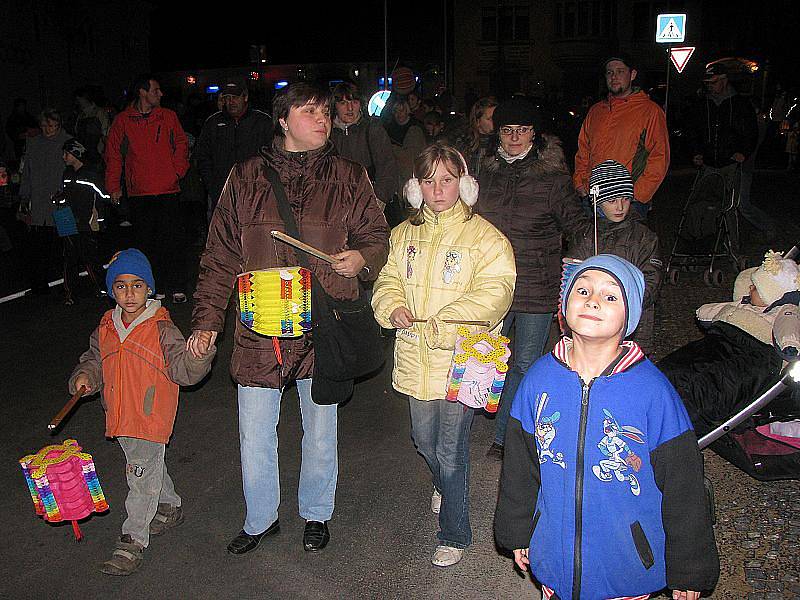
(153, 150)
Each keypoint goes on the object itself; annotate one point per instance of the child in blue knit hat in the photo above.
(137, 359)
(601, 493)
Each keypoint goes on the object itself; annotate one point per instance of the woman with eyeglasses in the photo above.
(526, 192)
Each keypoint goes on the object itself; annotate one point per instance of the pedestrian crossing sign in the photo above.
(670, 28)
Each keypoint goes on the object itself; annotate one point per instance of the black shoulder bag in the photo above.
(345, 336)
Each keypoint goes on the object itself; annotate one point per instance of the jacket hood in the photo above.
(113, 318)
(545, 158)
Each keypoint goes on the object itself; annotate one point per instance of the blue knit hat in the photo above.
(130, 262)
(629, 277)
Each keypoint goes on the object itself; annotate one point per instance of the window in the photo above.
(508, 24)
(584, 18)
(489, 24)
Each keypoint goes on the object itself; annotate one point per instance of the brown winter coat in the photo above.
(532, 202)
(335, 209)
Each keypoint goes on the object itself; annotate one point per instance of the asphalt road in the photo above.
(382, 532)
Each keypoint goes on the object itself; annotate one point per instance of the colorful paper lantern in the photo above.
(276, 302)
(63, 484)
(478, 371)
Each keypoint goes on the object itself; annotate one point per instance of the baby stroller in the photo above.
(707, 228)
(732, 385)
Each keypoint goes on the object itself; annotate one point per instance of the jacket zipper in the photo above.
(579, 460)
(431, 261)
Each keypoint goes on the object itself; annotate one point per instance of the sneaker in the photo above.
(167, 517)
(436, 501)
(446, 556)
(159, 296)
(126, 557)
(178, 298)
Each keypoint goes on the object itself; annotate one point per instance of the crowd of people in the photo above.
(482, 216)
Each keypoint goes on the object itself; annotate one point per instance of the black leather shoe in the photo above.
(315, 536)
(244, 542)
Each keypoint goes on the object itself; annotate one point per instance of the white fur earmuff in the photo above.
(467, 188)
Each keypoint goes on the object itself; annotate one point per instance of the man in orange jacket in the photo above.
(626, 127)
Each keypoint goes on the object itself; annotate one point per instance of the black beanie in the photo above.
(75, 148)
(516, 111)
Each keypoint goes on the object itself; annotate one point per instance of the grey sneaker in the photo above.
(436, 501)
(446, 556)
(126, 557)
(167, 517)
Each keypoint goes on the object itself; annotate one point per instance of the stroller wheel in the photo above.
(713, 278)
(742, 263)
(673, 275)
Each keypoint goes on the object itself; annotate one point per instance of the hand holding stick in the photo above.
(279, 235)
(66, 409)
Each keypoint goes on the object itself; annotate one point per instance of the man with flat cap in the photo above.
(627, 127)
(232, 135)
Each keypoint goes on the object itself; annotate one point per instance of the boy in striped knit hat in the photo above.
(624, 233)
(601, 492)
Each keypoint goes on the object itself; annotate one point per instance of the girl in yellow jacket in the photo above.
(444, 264)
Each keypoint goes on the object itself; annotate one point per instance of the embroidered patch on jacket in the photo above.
(546, 434)
(136, 470)
(411, 253)
(612, 445)
(452, 266)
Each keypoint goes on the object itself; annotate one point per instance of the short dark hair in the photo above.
(50, 114)
(433, 118)
(140, 82)
(296, 95)
(346, 90)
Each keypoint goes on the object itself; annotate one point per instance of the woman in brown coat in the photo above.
(336, 211)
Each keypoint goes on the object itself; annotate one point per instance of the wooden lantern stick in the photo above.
(279, 235)
(66, 409)
(455, 322)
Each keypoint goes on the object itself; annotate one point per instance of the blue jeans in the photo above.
(259, 410)
(530, 335)
(440, 430)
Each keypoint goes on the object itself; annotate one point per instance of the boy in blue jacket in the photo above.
(602, 493)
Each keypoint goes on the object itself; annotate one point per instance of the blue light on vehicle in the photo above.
(279, 85)
(212, 89)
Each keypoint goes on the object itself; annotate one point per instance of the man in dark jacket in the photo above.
(729, 136)
(526, 192)
(232, 135)
(361, 138)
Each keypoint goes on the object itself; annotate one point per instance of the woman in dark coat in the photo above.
(526, 192)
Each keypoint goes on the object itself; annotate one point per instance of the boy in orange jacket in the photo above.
(138, 359)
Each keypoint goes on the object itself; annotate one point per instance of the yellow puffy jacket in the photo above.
(450, 267)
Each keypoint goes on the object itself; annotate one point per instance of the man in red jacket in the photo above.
(147, 143)
(626, 127)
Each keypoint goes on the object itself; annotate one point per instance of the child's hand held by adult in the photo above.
(200, 342)
(521, 558)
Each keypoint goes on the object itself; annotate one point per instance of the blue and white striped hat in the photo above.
(612, 181)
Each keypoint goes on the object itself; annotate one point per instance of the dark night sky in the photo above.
(214, 38)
